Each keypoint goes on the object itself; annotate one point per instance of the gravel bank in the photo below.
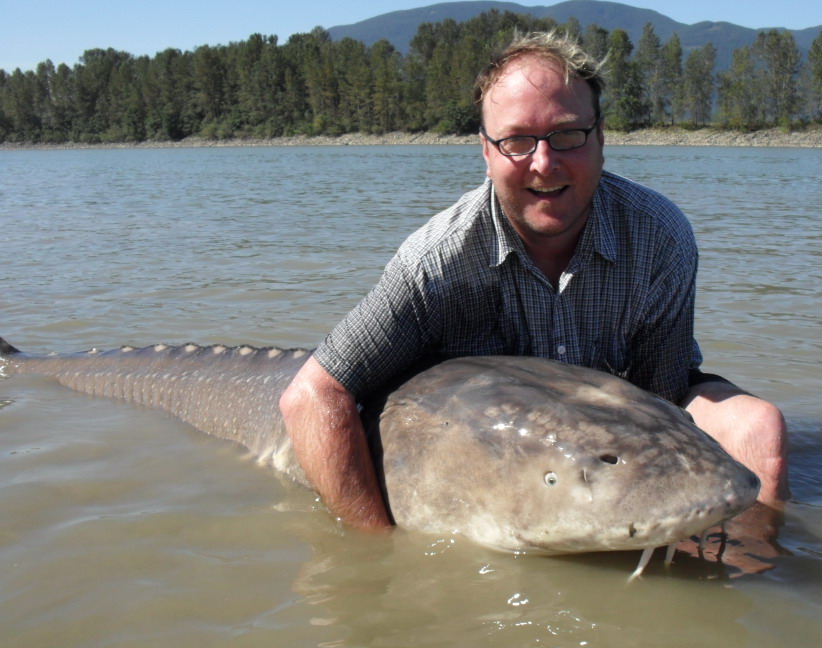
(811, 138)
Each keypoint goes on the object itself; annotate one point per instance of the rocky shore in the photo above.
(810, 138)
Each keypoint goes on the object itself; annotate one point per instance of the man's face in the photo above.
(547, 195)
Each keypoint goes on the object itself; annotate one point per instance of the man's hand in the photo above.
(748, 545)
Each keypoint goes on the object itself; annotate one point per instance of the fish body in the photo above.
(520, 454)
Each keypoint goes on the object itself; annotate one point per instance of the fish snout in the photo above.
(742, 492)
(738, 494)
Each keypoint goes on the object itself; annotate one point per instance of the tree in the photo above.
(813, 79)
(698, 82)
(259, 74)
(321, 84)
(623, 103)
(42, 97)
(211, 91)
(95, 107)
(126, 110)
(740, 103)
(5, 122)
(760, 88)
(595, 41)
(168, 88)
(313, 85)
(439, 87)
(63, 93)
(670, 73)
(573, 28)
(352, 66)
(778, 61)
(649, 62)
(389, 89)
(461, 116)
(18, 106)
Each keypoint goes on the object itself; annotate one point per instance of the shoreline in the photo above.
(811, 138)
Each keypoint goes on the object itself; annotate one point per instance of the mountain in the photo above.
(399, 27)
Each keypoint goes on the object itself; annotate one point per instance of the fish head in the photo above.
(528, 455)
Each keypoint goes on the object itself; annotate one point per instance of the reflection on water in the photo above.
(123, 527)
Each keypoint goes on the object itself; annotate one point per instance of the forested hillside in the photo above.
(313, 85)
(399, 27)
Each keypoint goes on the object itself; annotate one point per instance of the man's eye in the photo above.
(519, 144)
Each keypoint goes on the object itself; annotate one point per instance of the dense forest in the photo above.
(312, 85)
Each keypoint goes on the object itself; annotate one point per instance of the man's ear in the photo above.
(486, 153)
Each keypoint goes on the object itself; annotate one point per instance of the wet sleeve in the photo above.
(391, 328)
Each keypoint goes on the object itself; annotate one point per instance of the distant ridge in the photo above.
(399, 27)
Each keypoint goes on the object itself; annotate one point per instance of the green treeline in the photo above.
(313, 86)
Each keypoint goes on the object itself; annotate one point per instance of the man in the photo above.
(552, 256)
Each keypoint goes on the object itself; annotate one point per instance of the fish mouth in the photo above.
(648, 551)
(699, 522)
(696, 521)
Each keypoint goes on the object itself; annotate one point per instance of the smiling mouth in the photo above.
(547, 192)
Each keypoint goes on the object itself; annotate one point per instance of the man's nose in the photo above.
(544, 158)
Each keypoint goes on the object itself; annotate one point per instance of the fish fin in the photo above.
(669, 554)
(7, 349)
(643, 561)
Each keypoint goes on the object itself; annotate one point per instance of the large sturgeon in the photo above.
(516, 453)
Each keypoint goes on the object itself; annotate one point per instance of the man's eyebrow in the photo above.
(572, 123)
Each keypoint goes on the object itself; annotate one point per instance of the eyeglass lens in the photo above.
(559, 141)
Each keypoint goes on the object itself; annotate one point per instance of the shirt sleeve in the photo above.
(664, 349)
(393, 327)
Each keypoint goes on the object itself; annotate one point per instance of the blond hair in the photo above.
(553, 46)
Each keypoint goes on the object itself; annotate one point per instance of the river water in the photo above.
(122, 527)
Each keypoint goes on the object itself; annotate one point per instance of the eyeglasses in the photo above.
(562, 140)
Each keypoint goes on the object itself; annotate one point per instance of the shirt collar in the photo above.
(508, 242)
(601, 223)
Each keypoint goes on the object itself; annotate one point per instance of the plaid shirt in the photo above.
(463, 285)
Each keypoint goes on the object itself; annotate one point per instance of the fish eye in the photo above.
(550, 479)
(609, 459)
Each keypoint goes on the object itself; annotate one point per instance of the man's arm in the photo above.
(329, 442)
(751, 430)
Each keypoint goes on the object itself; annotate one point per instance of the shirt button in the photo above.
(561, 349)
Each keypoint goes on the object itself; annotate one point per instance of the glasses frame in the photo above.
(539, 138)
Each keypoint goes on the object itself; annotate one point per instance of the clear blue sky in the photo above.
(32, 31)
